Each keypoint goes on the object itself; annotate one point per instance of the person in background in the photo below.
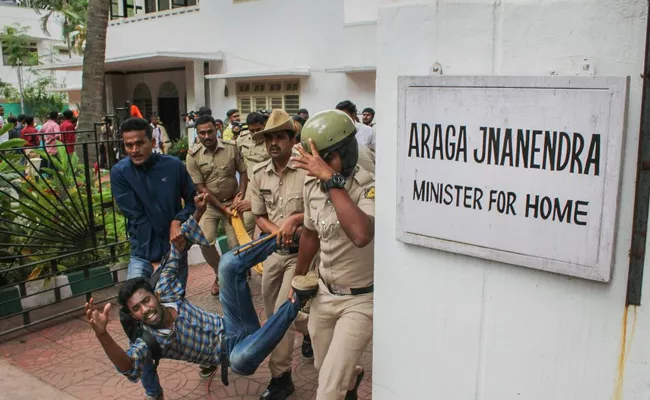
(156, 195)
(2, 116)
(304, 114)
(50, 131)
(219, 124)
(233, 116)
(156, 135)
(367, 116)
(68, 135)
(253, 152)
(365, 135)
(21, 123)
(29, 133)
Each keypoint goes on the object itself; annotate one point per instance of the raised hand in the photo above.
(97, 320)
(312, 163)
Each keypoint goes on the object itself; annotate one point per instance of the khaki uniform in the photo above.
(216, 170)
(340, 324)
(278, 197)
(252, 153)
(366, 159)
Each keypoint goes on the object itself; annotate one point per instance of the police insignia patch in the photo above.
(369, 193)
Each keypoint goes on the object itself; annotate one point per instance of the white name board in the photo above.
(521, 170)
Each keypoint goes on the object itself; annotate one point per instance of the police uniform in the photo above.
(253, 153)
(216, 171)
(340, 319)
(366, 159)
(278, 196)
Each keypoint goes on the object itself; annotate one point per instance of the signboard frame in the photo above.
(617, 88)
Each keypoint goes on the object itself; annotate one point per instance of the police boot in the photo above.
(280, 388)
(307, 350)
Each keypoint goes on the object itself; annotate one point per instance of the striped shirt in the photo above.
(195, 335)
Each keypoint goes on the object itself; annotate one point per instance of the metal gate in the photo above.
(61, 235)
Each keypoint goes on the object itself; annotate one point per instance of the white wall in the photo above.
(454, 327)
(28, 18)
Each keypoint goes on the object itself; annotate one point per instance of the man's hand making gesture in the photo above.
(97, 320)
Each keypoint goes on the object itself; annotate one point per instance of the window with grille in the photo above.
(257, 95)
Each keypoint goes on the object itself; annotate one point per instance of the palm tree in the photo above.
(84, 27)
(74, 14)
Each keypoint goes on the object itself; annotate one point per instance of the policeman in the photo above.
(277, 201)
(212, 164)
(339, 221)
(253, 151)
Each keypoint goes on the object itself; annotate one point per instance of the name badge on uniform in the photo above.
(202, 164)
(265, 191)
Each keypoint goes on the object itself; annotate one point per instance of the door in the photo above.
(169, 113)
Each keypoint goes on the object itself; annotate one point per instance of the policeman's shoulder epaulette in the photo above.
(364, 177)
(229, 142)
(194, 149)
(260, 166)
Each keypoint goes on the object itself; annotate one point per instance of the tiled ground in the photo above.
(66, 355)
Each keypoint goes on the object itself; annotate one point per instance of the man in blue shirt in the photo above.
(150, 189)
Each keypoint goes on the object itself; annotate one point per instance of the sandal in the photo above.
(215, 288)
(352, 394)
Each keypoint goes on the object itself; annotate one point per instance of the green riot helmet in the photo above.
(332, 131)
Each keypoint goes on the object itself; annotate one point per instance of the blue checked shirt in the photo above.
(196, 334)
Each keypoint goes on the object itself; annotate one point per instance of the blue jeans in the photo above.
(140, 267)
(248, 344)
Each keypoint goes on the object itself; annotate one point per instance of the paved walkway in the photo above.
(67, 357)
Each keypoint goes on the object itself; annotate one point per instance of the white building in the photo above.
(50, 49)
(236, 54)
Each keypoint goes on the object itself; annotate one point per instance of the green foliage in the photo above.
(38, 96)
(74, 14)
(47, 215)
(15, 46)
(7, 90)
(179, 149)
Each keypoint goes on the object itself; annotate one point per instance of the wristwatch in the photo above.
(337, 181)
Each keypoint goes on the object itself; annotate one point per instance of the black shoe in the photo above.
(280, 388)
(352, 394)
(207, 371)
(307, 350)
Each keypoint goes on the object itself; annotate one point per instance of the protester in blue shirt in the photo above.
(150, 190)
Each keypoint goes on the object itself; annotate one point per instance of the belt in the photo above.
(223, 360)
(286, 252)
(343, 291)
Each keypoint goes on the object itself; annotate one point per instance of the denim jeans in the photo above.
(140, 267)
(248, 344)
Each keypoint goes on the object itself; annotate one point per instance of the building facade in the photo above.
(50, 50)
(172, 58)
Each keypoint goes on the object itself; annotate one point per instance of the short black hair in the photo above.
(347, 105)
(204, 119)
(21, 118)
(300, 119)
(67, 114)
(29, 119)
(369, 110)
(131, 286)
(54, 114)
(255, 118)
(137, 124)
(12, 120)
(303, 110)
(218, 121)
(205, 111)
(231, 112)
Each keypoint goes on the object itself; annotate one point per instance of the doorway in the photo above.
(169, 109)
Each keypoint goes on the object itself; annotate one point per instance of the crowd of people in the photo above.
(58, 127)
(304, 187)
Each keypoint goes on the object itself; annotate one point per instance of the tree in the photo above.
(74, 15)
(15, 46)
